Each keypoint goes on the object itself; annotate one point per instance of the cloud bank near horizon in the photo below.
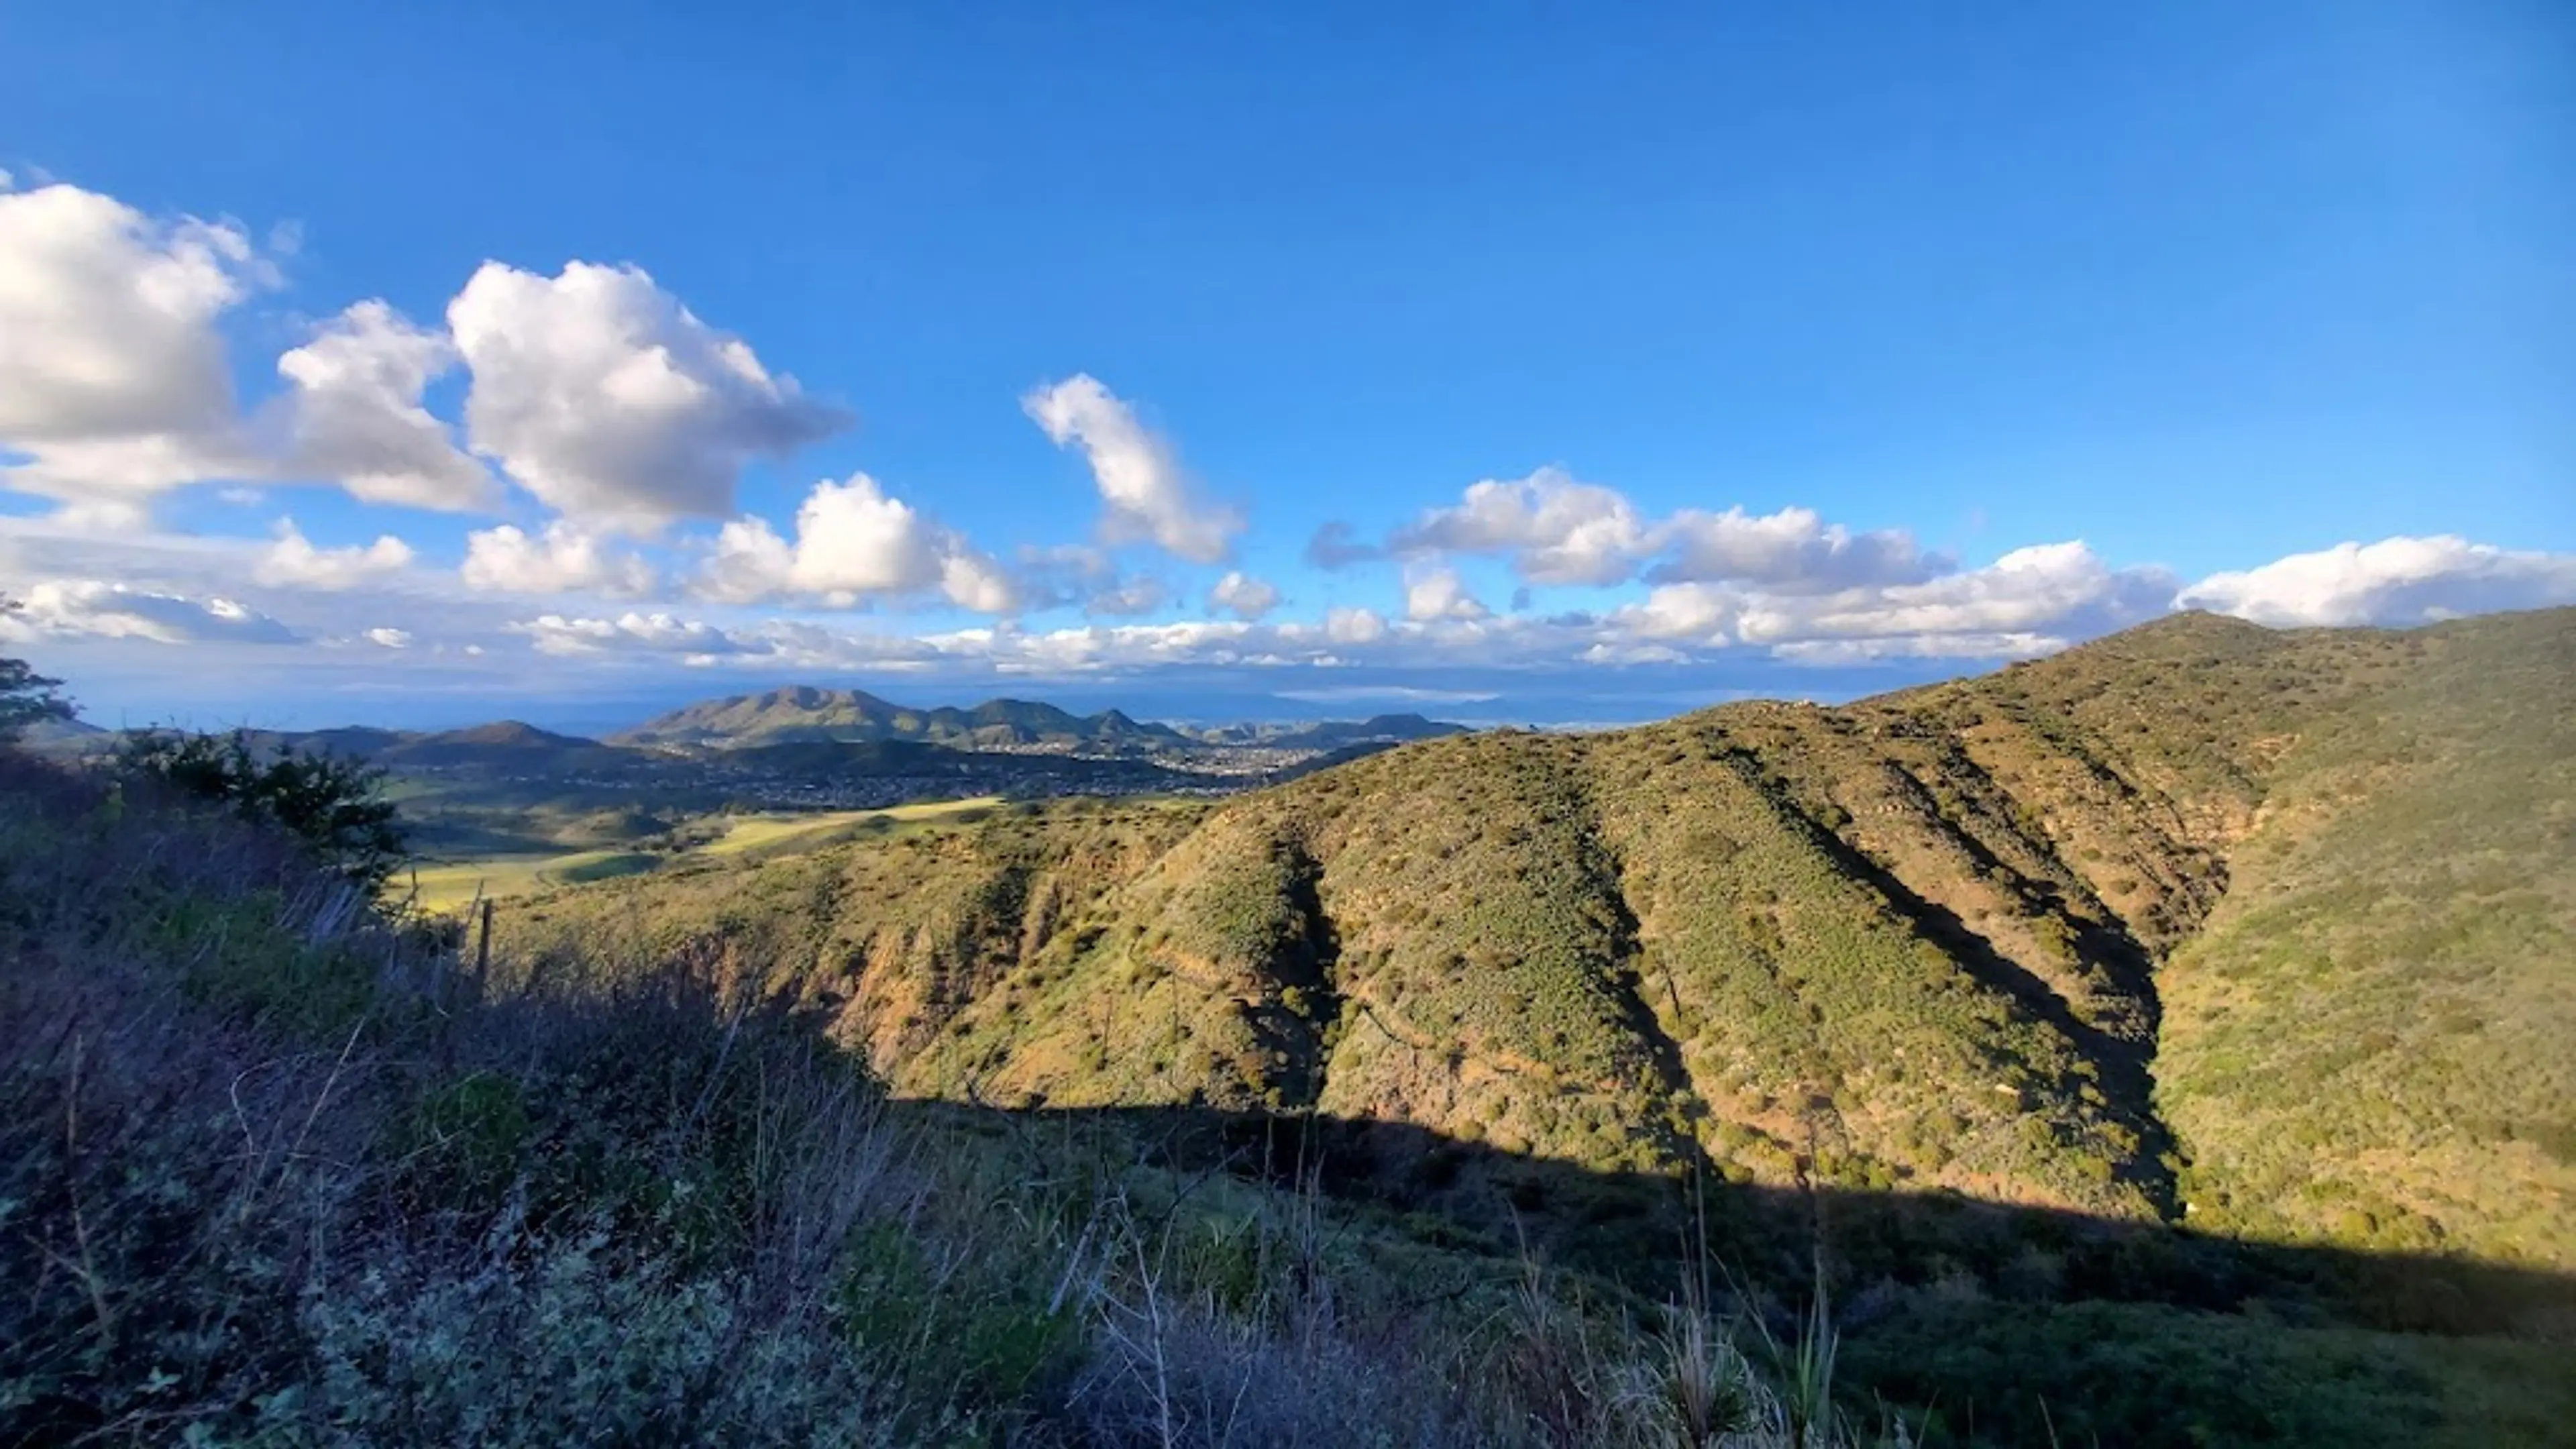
(594, 433)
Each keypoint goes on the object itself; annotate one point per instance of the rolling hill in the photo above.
(512, 789)
(502, 742)
(2273, 933)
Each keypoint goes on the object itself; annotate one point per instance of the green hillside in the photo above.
(2269, 932)
(279, 1169)
(2158, 1045)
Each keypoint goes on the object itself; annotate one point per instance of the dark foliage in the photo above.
(26, 697)
(334, 806)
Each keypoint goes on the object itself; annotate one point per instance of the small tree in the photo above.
(335, 806)
(26, 697)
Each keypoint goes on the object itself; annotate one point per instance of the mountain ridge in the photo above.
(812, 716)
(807, 713)
(810, 713)
(1952, 938)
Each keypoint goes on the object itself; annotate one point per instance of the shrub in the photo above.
(335, 807)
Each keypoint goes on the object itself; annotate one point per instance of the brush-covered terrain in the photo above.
(2272, 933)
(279, 1169)
(2160, 1044)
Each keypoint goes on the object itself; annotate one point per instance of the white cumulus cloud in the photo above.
(389, 638)
(71, 608)
(2030, 601)
(853, 542)
(294, 562)
(655, 633)
(1704, 612)
(1243, 596)
(562, 559)
(1557, 530)
(2058, 591)
(1438, 593)
(112, 374)
(1793, 549)
(2393, 581)
(1142, 487)
(1354, 626)
(612, 403)
(354, 416)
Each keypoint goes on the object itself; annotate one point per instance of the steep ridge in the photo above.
(2097, 932)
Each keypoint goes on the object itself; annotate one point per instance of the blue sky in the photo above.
(2209, 290)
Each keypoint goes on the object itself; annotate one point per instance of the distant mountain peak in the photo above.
(808, 713)
(507, 732)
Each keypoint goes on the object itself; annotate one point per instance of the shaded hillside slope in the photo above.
(2110, 931)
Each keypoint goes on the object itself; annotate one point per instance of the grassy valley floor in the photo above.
(441, 885)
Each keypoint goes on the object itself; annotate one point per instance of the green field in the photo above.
(760, 832)
(448, 885)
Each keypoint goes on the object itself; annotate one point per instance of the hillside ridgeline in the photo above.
(2272, 932)
(805, 714)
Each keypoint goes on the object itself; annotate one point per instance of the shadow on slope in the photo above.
(2002, 1324)
(1638, 1229)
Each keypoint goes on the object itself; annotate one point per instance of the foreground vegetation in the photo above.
(277, 1169)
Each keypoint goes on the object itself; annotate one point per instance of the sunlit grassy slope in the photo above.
(2267, 929)
(758, 832)
(446, 885)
